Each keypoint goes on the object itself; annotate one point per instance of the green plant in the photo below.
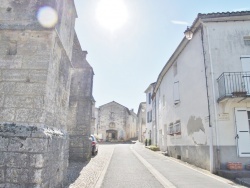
(149, 142)
(153, 148)
(146, 142)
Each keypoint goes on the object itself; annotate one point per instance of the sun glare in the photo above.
(112, 14)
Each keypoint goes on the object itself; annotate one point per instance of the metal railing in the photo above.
(234, 84)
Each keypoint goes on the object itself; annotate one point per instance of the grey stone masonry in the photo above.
(80, 105)
(38, 70)
(32, 156)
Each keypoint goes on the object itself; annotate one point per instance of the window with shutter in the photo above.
(176, 93)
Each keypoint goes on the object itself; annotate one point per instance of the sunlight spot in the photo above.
(47, 17)
(112, 14)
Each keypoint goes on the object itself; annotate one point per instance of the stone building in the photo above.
(141, 122)
(45, 95)
(115, 122)
(132, 126)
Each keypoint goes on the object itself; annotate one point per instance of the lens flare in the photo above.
(47, 17)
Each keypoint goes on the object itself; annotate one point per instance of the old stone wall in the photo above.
(80, 105)
(31, 156)
(35, 80)
(36, 76)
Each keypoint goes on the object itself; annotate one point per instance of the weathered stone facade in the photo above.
(36, 91)
(80, 105)
(115, 122)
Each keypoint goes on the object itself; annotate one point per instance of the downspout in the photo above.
(211, 151)
(214, 103)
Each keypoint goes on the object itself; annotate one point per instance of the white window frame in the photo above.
(176, 93)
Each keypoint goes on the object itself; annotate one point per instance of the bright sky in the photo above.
(129, 41)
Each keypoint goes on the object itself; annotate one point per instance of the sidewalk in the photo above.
(180, 173)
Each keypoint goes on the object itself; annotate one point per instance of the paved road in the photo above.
(125, 170)
(134, 166)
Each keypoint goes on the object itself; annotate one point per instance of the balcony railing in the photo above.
(234, 84)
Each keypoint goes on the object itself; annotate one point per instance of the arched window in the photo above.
(112, 125)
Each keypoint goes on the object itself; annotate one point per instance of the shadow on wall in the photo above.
(73, 171)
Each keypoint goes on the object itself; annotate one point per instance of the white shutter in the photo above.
(176, 93)
(243, 136)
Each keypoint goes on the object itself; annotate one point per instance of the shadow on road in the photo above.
(73, 171)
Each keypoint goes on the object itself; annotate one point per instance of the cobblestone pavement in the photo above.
(85, 175)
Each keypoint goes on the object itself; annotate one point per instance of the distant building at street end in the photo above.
(141, 122)
(115, 122)
(202, 94)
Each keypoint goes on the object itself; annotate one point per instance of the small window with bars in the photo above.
(171, 129)
(177, 127)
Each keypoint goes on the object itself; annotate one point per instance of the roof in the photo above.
(201, 18)
(118, 104)
(151, 85)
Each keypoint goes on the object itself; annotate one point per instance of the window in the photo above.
(247, 40)
(111, 115)
(175, 68)
(176, 93)
(149, 98)
(171, 129)
(177, 127)
(149, 116)
(112, 125)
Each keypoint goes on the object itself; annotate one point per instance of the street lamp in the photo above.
(188, 33)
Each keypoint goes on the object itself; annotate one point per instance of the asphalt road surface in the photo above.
(133, 166)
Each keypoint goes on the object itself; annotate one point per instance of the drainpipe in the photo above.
(214, 102)
(211, 151)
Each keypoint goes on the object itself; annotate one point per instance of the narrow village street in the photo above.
(134, 166)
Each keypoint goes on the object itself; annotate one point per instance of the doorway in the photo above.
(242, 117)
(111, 135)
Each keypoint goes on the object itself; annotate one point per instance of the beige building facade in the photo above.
(141, 122)
(115, 122)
